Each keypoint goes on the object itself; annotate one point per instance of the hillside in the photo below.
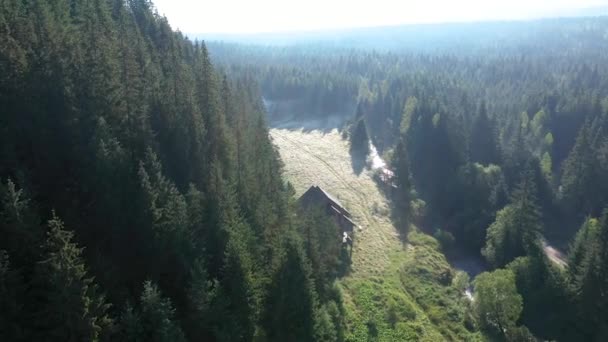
(141, 198)
(395, 290)
(149, 183)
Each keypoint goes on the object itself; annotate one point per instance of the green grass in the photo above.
(426, 275)
(380, 310)
(413, 301)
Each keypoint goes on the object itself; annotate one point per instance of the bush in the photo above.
(445, 238)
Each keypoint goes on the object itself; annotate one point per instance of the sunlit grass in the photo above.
(315, 158)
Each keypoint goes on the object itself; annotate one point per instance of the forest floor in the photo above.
(395, 291)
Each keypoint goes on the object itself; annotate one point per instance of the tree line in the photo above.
(503, 143)
(141, 197)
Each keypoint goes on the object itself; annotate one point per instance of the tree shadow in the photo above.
(344, 268)
(401, 219)
(358, 160)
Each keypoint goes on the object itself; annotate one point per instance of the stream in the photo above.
(376, 162)
(471, 265)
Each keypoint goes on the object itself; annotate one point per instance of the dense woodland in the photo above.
(497, 144)
(142, 199)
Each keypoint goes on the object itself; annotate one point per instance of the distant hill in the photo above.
(419, 36)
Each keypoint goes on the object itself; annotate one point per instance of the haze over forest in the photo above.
(437, 172)
(292, 16)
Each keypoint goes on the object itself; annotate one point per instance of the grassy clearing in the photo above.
(323, 159)
(413, 301)
(395, 292)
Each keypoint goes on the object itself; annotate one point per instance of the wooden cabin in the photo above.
(317, 197)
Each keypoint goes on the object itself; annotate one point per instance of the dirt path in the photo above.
(317, 158)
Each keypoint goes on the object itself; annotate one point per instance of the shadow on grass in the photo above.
(400, 218)
(456, 255)
(402, 221)
(358, 158)
(345, 262)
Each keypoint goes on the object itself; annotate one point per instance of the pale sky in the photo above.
(252, 16)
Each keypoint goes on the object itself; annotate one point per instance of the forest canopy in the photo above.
(143, 198)
(497, 130)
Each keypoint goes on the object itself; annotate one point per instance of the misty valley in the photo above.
(430, 182)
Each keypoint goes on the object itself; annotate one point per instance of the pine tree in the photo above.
(71, 309)
(195, 202)
(484, 142)
(130, 325)
(359, 141)
(155, 320)
(202, 296)
(291, 304)
(12, 291)
(592, 282)
(168, 242)
(516, 230)
(434, 156)
(408, 115)
(583, 242)
(579, 174)
(482, 191)
(236, 303)
(18, 225)
(404, 186)
(218, 141)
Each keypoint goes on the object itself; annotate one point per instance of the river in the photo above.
(376, 162)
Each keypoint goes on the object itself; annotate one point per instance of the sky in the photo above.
(255, 16)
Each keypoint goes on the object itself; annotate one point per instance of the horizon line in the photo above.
(603, 8)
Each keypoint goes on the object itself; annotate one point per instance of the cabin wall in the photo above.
(315, 197)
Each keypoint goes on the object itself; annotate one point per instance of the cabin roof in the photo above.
(331, 198)
(349, 220)
(315, 193)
